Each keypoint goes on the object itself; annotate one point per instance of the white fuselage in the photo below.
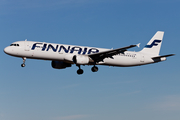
(62, 52)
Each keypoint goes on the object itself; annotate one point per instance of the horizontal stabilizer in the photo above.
(163, 56)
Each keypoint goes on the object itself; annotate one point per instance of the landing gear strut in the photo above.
(79, 71)
(24, 60)
(94, 69)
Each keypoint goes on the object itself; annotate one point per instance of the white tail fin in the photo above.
(154, 45)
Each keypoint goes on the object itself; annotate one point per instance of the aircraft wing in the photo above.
(97, 57)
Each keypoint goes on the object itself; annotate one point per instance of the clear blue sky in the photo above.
(39, 92)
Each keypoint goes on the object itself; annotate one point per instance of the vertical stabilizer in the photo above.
(154, 45)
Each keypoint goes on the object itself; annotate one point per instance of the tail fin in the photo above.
(154, 45)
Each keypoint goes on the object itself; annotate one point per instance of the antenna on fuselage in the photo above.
(25, 39)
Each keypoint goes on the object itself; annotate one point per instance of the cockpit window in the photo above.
(14, 45)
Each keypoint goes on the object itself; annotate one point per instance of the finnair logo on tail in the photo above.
(154, 43)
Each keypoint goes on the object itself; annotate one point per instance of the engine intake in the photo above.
(80, 59)
(60, 64)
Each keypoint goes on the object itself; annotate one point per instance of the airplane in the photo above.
(63, 56)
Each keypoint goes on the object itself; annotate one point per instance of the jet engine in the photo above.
(60, 64)
(80, 59)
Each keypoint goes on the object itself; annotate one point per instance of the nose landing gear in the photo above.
(24, 60)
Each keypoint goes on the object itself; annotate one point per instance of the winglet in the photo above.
(138, 45)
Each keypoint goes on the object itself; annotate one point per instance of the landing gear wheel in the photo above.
(23, 65)
(24, 60)
(80, 71)
(94, 69)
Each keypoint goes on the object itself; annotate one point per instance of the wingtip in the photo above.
(138, 45)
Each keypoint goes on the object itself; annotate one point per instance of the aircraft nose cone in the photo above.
(7, 50)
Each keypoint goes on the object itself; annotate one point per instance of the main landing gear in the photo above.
(24, 60)
(94, 69)
(80, 71)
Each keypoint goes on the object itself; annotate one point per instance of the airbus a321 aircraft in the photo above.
(63, 56)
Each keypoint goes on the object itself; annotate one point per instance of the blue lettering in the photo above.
(93, 50)
(35, 45)
(44, 47)
(52, 47)
(84, 52)
(66, 50)
(78, 49)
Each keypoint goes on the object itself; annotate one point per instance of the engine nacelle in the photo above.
(80, 59)
(60, 64)
(159, 59)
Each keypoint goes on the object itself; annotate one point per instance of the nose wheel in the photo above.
(24, 60)
(23, 65)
